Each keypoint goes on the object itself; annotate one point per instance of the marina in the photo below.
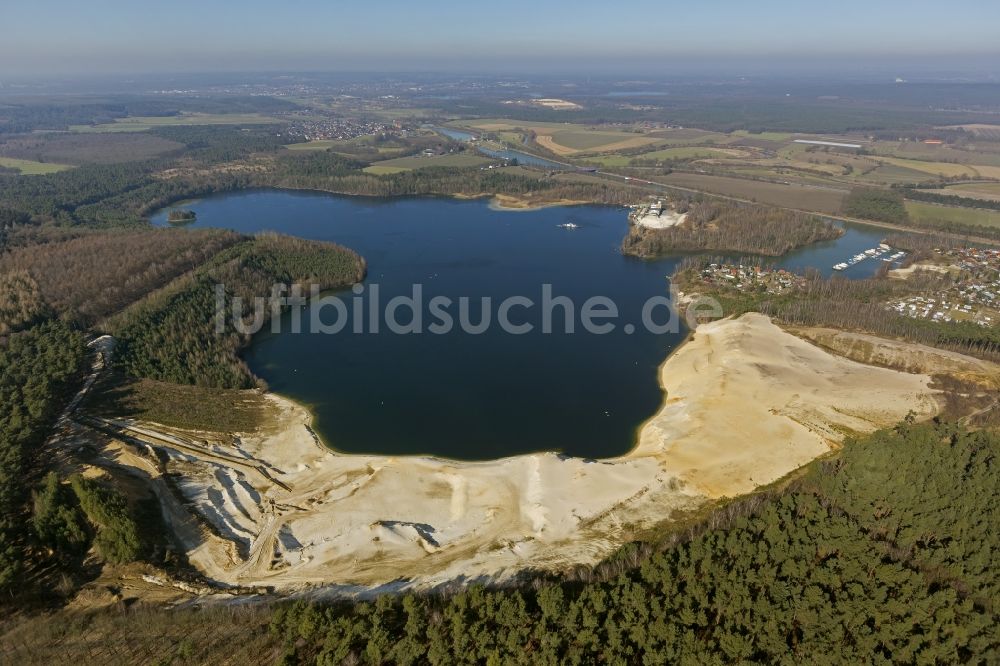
(871, 253)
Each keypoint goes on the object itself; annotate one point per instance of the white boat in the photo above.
(568, 225)
(839, 267)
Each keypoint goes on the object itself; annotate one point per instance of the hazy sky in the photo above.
(99, 36)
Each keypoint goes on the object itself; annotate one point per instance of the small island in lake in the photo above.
(181, 216)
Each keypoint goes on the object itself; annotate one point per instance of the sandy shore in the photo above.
(746, 404)
(507, 202)
(664, 220)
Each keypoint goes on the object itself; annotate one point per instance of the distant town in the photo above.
(312, 128)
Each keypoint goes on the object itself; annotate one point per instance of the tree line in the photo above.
(171, 335)
(731, 227)
(39, 368)
(873, 203)
(949, 199)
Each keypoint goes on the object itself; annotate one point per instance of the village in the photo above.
(973, 296)
(327, 128)
(754, 278)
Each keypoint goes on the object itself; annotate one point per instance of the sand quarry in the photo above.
(746, 403)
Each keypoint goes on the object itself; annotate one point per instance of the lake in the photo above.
(465, 395)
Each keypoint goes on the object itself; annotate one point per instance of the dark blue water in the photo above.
(476, 396)
(463, 395)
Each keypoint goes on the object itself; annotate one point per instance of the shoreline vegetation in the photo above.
(181, 217)
(169, 336)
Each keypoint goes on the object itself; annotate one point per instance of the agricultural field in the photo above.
(379, 170)
(802, 197)
(32, 168)
(666, 154)
(986, 191)
(769, 167)
(565, 139)
(515, 138)
(688, 136)
(571, 142)
(143, 123)
(363, 148)
(922, 212)
(422, 162)
(890, 174)
(988, 171)
(766, 136)
(943, 169)
(318, 144)
(980, 130)
(917, 150)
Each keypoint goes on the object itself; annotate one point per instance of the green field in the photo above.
(379, 170)
(927, 212)
(421, 162)
(678, 153)
(143, 123)
(932, 168)
(362, 147)
(319, 144)
(612, 160)
(514, 138)
(32, 168)
(564, 138)
(888, 174)
(764, 136)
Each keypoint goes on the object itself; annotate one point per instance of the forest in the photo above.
(91, 276)
(67, 518)
(880, 553)
(873, 203)
(58, 113)
(39, 368)
(171, 335)
(731, 227)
